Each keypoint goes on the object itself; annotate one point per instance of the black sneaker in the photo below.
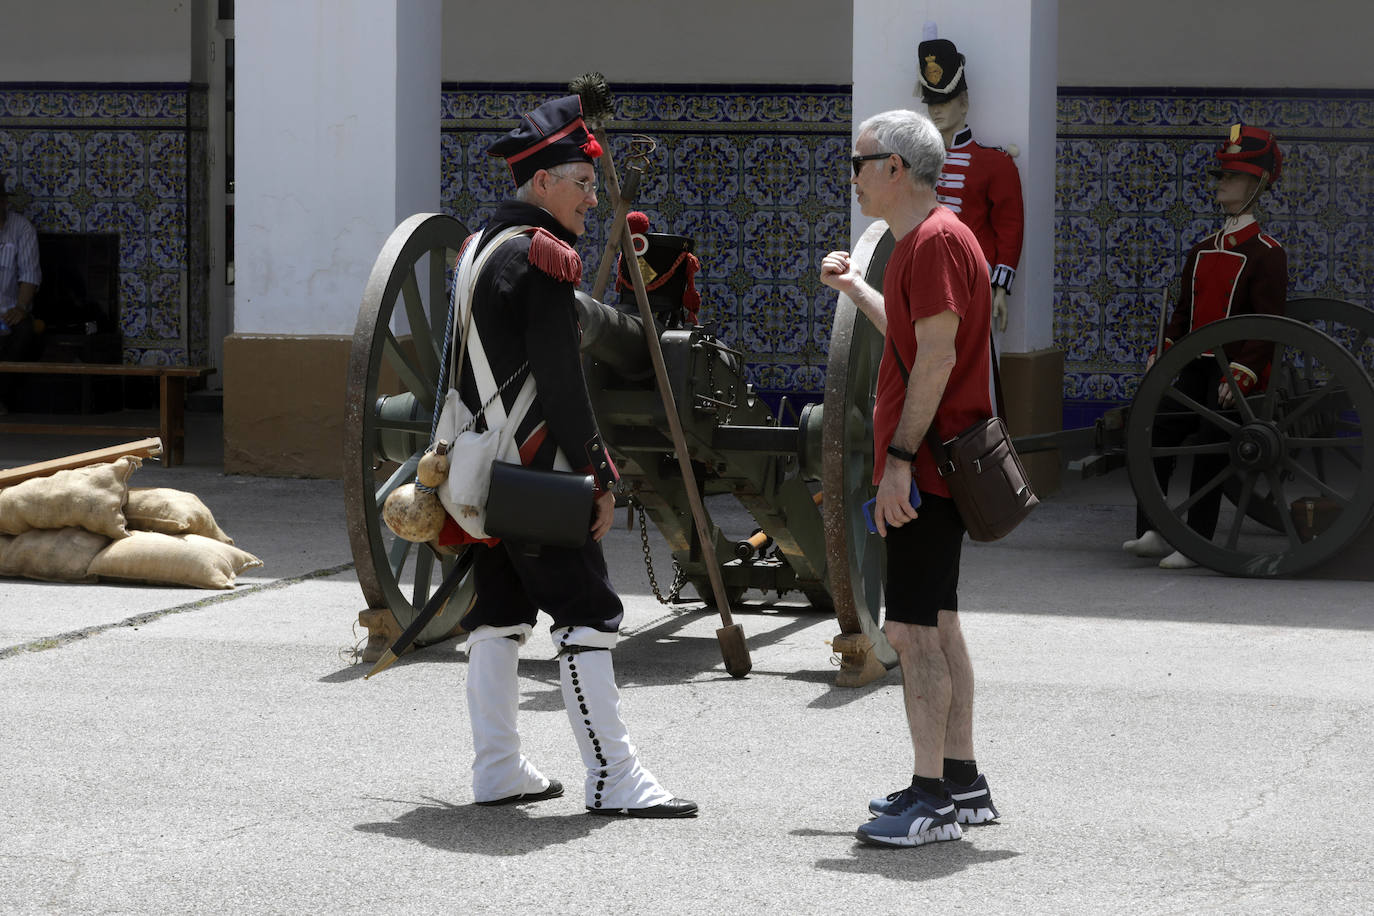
(972, 803)
(914, 818)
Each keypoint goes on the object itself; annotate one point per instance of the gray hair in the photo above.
(525, 193)
(912, 136)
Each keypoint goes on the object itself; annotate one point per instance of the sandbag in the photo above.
(169, 511)
(91, 498)
(165, 559)
(51, 554)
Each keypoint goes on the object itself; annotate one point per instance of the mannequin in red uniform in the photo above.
(979, 183)
(1238, 270)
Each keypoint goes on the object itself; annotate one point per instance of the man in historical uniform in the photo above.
(1238, 270)
(524, 312)
(979, 183)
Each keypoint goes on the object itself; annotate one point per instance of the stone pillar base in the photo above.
(284, 404)
(1033, 385)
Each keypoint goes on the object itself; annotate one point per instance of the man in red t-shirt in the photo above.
(934, 311)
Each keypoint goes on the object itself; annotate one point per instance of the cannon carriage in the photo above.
(1297, 479)
(803, 475)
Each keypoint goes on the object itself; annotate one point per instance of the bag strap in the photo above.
(465, 284)
(937, 446)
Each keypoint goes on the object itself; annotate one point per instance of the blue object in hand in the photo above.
(868, 507)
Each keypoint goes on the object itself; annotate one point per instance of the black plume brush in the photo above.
(595, 95)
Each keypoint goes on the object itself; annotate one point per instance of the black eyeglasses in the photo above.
(858, 161)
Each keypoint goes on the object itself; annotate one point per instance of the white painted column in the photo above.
(337, 141)
(1012, 54)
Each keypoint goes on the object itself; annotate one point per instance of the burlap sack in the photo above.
(91, 497)
(51, 554)
(164, 559)
(169, 511)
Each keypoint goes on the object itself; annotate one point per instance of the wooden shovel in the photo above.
(733, 648)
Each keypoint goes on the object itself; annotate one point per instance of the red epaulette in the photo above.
(458, 258)
(555, 257)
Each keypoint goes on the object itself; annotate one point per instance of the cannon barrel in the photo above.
(613, 337)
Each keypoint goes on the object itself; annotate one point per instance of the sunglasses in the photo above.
(858, 161)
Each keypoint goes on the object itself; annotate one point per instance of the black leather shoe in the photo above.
(673, 807)
(554, 790)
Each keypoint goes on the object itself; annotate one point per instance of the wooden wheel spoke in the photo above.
(424, 565)
(420, 333)
(1207, 413)
(1354, 462)
(1247, 413)
(396, 556)
(401, 476)
(1208, 448)
(1271, 395)
(1281, 500)
(1247, 489)
(1297, 470)
(1309, 400)
(410, 374)
(1203, 490)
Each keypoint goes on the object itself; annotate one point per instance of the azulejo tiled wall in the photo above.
(1133, 197)
(128, 159)
(756, 175)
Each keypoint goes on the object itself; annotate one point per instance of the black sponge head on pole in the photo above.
(595, 95)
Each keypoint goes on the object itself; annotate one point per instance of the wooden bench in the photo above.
(171, 426)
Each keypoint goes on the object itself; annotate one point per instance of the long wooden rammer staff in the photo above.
(596, 107)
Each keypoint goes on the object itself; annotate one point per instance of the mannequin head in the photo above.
(1249, 162)
(1236, 192)
(950, 117)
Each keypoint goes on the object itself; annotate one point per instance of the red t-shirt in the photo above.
(936, 266)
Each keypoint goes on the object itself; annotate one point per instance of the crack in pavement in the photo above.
(43, 643)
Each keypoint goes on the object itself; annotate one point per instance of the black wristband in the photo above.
(896, 452)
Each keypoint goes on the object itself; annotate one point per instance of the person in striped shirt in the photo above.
(19, 279)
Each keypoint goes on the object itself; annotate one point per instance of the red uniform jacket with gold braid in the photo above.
(1244, 272)
(524, 309)
(982, 185)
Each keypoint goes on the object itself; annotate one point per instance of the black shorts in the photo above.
(923, 563)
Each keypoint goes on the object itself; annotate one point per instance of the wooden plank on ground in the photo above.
(142, 448)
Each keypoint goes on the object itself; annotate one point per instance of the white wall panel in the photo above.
(80, 41)
(649, 41)
(1271, 44)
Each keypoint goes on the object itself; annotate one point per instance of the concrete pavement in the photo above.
(1157, 742)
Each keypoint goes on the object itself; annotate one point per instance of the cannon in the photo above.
(802, 474)
(1298, 482)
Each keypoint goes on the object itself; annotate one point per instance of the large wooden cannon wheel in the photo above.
(1297, 443)
(393, 374)
(855, 559)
